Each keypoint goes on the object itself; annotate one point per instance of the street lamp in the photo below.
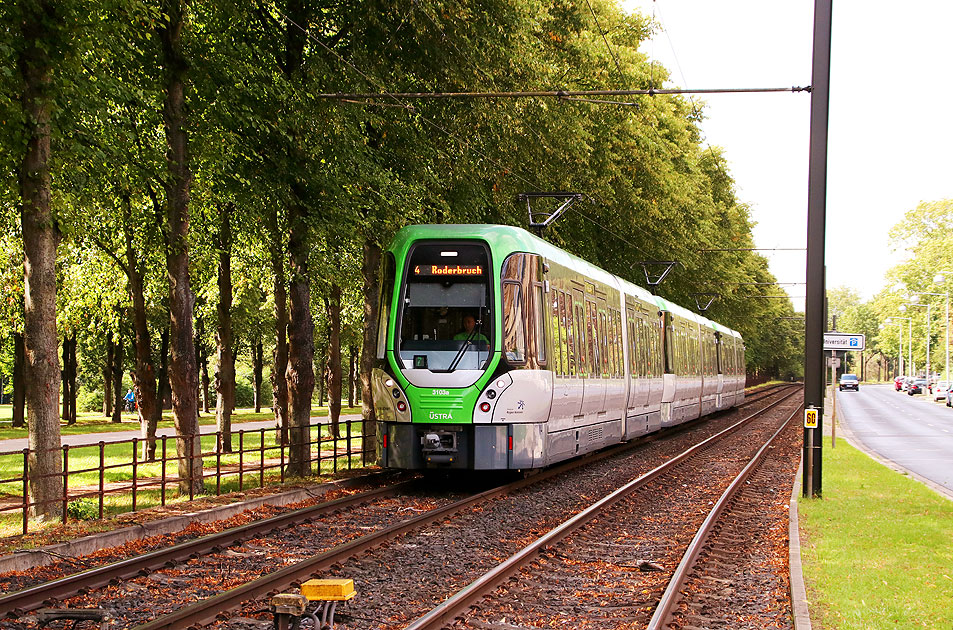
(940, 278)
(915, 302)
(909, 340)
(889, 320)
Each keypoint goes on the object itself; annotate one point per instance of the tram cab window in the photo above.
(446, 323)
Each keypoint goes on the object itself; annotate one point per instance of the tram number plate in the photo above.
(810, 418)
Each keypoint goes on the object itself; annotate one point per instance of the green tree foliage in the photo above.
(342, 177)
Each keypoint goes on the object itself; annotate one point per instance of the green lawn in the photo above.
(878, 548)
(93, 422)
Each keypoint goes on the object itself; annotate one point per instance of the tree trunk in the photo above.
(37, 36)
(300, 346)
(107, 381)
(144, 376)
(258, 360)
(279, 377)
(352, 359)
(225, 376)
(177, 185)
(370, 270)
(69, 364)
(19, 385)
(206, 384)
(64, 379)
(323, 370)
(334, 360)
(118, 355)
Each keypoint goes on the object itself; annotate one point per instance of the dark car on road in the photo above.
(918, 386)
(849, 381)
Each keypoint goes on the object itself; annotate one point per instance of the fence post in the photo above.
(190, 448)
(261, 468)
(26, 490)
(241, 458)
(102, 477)
(348, 426)
(218, 462)
(65, 480)
(282, 462)
(135, 471)
(162, 492)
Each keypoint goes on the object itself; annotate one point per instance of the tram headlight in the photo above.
(389, 383)
(491, 394)
(485, 407)
(396, 393)
(401, 406)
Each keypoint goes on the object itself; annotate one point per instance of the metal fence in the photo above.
(117, 474)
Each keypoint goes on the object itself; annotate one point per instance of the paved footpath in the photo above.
(85, 439)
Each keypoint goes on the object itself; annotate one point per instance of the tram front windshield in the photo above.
(446, 323)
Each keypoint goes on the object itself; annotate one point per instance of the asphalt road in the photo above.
(913, 432)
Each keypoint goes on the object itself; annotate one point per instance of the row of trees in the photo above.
(173, 183)
(925, 236)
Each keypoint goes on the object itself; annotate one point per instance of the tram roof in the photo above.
(516, 239)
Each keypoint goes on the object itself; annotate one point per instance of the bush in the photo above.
(89, 400)
(83, 509)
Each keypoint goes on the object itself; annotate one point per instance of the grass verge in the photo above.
(877, 548)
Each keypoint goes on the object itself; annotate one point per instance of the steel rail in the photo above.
(207, 610)
(462, 600)
(671, 596)
(17, 603)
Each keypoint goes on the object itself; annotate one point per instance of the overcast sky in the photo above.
(891, 130)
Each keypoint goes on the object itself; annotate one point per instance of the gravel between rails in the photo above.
(612, 572)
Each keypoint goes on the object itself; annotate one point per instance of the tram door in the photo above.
(594, 398)
(567, 384)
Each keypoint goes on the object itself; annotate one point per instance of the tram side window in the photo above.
(540, 323)
(565, 323)
(558, 366)
(514, 336)
(603, 346)
(581, 340)
(616, 339)
(632, 345)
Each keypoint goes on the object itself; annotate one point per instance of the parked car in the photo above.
(916, 386)
(898, 383)
(940, 390)
(849, 381)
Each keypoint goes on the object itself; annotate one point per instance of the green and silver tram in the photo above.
(497, 350)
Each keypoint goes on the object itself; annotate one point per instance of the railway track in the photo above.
(214, 602)
(605, 566)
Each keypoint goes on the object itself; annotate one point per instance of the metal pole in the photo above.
(816, 217)
(929, 371)
(900, 330)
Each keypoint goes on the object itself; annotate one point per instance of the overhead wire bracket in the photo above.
(653, 280)
(702, 297)
(541, 219)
